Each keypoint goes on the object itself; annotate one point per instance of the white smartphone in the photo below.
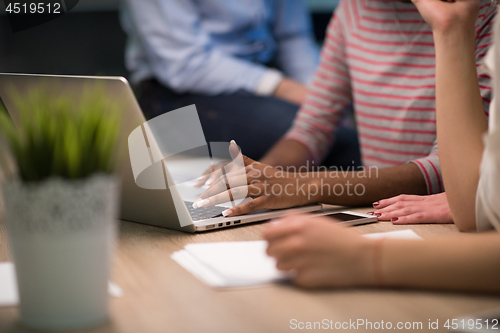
(352, 218)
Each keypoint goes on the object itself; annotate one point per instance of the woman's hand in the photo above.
(321, 252)
(216, 171)
(270, 188)
(211, 174)
(448, 15)
(414, 209)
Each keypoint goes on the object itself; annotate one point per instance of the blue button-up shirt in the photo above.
(217, 46)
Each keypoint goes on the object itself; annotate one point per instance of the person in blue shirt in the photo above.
(245, 64)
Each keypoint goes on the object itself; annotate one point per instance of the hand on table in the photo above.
(413, 209)
(270, 188)
(321, 253)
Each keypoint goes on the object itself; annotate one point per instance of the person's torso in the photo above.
(391, 60)
(390, 52)
(243, 28)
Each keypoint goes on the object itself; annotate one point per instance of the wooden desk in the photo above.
(160, 296)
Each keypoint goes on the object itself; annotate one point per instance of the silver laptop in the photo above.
(169, 208)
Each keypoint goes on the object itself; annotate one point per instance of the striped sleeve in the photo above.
(329, 93)
(429, 166)
(431, 170)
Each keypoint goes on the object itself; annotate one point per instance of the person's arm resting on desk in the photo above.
(323, 254)
(273, 188)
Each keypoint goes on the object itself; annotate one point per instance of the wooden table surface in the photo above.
(161, 296)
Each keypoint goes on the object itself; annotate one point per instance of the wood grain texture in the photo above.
(160, 296)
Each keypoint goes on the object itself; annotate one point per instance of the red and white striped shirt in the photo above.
(379, 55)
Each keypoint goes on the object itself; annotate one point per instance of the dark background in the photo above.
(86, 41)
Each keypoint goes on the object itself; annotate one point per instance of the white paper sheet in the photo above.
(226, 265)
(398, 234)
(230, 264)
(8, 286)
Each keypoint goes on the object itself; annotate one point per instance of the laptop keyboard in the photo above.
(203, 213)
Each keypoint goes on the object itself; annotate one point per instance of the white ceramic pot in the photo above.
(61, 236)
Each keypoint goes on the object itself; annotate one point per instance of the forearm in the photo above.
(469, 263)
(367, 186)
(460, 121)
(185, 58)
(298, 58)
(287, 153)
(212, 73)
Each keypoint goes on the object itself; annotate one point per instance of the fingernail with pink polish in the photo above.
(227, 212)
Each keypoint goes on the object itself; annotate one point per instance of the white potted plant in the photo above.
(60, 206)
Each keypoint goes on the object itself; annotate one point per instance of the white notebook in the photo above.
(243, 264)
(230, 264)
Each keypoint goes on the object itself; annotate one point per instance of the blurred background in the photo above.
(90, 41)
